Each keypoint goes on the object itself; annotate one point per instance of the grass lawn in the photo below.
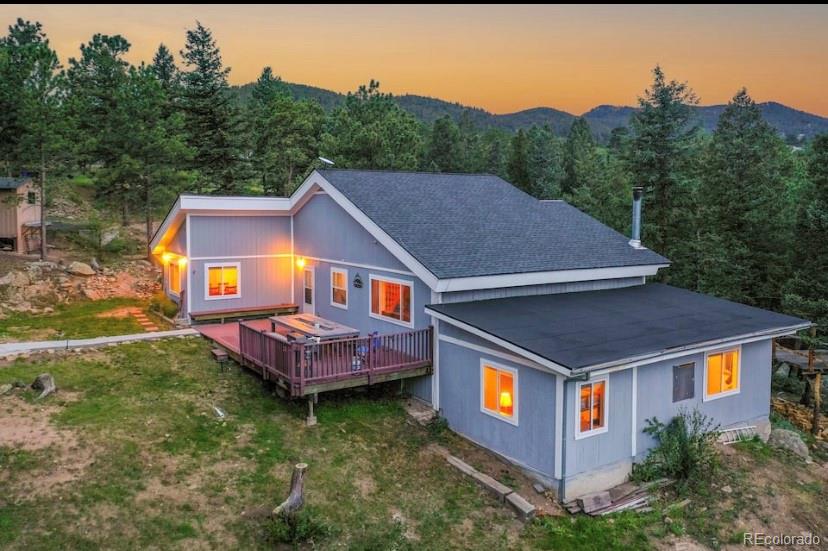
(78, 320)
(130, 454)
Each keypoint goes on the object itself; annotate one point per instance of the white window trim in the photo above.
(169, 279)
(410, 284)
(312, 270)
(209, 265)
(578, 433)
(513, 420)
(344, 272)
(738, 348)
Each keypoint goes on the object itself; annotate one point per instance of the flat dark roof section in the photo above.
(584, 329)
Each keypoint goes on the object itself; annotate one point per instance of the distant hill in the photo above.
(794, 125)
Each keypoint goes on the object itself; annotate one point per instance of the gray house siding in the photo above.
(233, 236)
(261, 247)
(750, 406)
(323, 230)
(530, 444)
(178, 243)
(545, 289)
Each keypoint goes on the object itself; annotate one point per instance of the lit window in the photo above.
(223, 281)
(339, 287)
(174, 278)
(592, 407)
(391, 299)
(722, 374)
(499, 392)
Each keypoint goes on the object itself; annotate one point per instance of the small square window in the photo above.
(684, 382)
(498, 395)
(31, 198)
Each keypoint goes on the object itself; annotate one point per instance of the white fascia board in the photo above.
(539, 278)
(168, 224)
(274, 205)
(550, 365)
(371, 227)
(672, 353)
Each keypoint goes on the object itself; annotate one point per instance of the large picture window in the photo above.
(223, 281)
(721, 376)
(391, 300)
(592, 407)
(498, 391)
(339, 287)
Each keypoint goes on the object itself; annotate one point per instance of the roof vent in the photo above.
(635, 239)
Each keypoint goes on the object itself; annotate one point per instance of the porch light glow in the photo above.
(300, 263)
(182, 261)
(166, 257)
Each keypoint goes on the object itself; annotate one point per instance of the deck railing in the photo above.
(304, 364)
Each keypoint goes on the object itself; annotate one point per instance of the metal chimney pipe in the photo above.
(635, 239)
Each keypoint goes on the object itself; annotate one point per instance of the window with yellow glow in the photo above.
(722, 375)
(223, 281)
(592, 407)
(391, 299)
(339, 287)
(174, 278)
(498, 392)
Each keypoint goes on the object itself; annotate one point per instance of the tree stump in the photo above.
(296, 499)
(45, 383)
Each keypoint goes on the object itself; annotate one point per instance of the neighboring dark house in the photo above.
(549, 347)
(19, 214)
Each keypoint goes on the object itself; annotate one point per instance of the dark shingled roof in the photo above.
(12, 183)
(463, 225)
(579, 330)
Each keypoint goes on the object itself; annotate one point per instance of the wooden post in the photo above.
(311, 420)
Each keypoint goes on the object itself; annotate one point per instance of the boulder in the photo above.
(5, 389)
(44, 383)
(15, 279)
(79, 268)
(791, 441)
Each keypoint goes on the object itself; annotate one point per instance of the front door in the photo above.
(309, 283)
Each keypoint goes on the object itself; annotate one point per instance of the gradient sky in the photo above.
(501, 58)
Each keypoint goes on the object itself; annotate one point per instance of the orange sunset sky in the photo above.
(501, 58)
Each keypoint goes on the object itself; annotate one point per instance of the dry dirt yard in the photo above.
(129, 453)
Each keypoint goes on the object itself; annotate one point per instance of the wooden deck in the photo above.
(305, 369)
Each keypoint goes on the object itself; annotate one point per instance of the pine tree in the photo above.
(43, 129)
(444, 147)
(212, 121)
(17, 51)
(371, 131)
(166, 72)
(741, 200)
(661, 154)
(806, 294)
(580, 150)
(544, 163)
(518, 165)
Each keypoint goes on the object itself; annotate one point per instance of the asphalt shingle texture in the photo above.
(464, 225)
(584, 329)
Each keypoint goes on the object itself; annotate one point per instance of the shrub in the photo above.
(685, 449)
(162, 304)
(304, 527)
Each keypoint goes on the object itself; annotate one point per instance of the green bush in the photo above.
(685, 450)
(162, 304)
(304, 527)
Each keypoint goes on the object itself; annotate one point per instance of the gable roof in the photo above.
(473, 225)
(595, 329)
(13, 183)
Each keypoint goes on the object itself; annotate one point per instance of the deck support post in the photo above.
(311, 420)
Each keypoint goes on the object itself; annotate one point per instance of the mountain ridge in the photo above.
(793, 124)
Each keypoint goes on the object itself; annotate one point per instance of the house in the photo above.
(19, 213)
(549, 346)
